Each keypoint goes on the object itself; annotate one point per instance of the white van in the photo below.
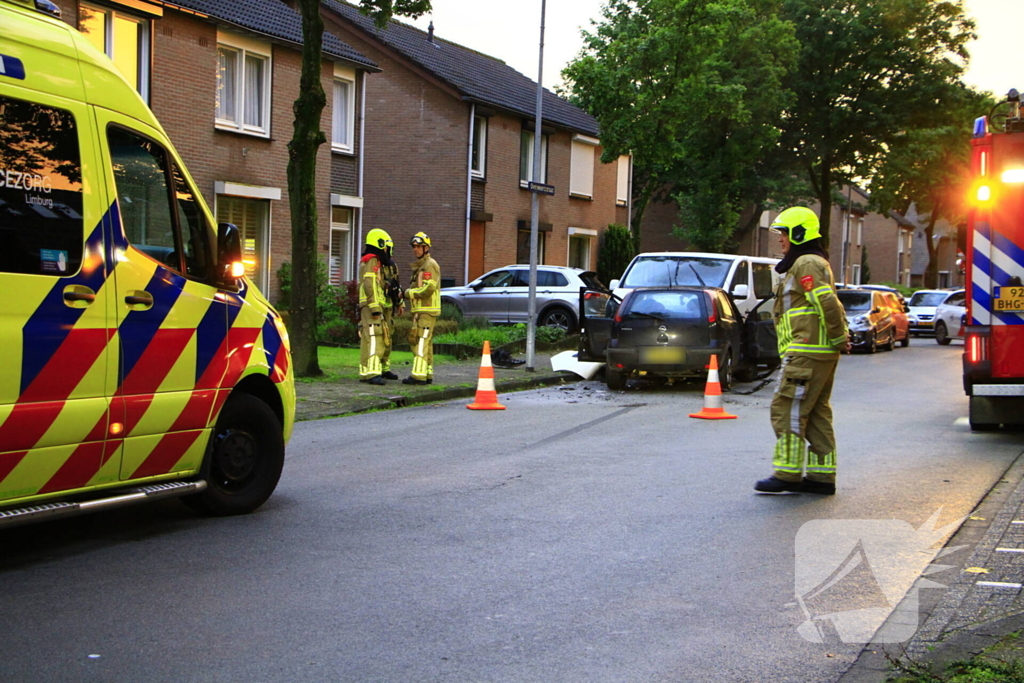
(749, 279)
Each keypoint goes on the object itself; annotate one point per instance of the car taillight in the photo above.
(712, 311)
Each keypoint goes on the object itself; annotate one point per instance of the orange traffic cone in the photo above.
(486, 394)
(713, 409)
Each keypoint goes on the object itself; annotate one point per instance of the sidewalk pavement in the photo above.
(979, 608)
(334, 398)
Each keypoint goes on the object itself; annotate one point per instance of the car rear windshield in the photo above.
(590, 280)
(855, 301)
(668, 271)
(928, 298)
(675, 305)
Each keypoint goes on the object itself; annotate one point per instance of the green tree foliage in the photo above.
(615, 252)
(929, 166)
(869, 70)
(306, 140)
(692, 88)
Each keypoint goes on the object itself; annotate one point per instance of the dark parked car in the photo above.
(671, 332)
(502, 295)
(876, 317)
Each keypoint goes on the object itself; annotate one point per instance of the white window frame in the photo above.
(581, 166)
(344, 76)
(348, 230)
(586, 233)
(145, 52)
(246, 47)
(860, 232)
(855, 273)
(544, 140)
(479, 140)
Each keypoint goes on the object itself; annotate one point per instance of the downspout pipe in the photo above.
(362, 155)
(469, 188)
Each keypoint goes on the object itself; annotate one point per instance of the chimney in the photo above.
(430, 32)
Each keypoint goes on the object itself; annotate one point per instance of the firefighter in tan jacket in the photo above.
(373, 339)
(811, 327)
(424, 295)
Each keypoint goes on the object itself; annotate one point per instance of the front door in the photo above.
(476, 249)
(57, 373)
(595, 325)
(171, 324)
(489, 297)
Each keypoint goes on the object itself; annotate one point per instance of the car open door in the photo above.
(597, 310)
(760, 340)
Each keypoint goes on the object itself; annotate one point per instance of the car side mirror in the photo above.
(229, 252)
(906, 309)
(614, 284)
(476, 286)
(876, 309)
(741, 291)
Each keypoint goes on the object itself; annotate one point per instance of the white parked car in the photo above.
(949, 317)
(922, 304)
(749, 279)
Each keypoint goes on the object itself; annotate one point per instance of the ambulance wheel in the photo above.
(244, 461)
(941, 334)
(615, 379)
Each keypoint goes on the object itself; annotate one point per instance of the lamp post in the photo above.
(531, 325)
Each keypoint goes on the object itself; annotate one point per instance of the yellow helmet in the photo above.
(378, 238)
(800, 222)
(420, 238)
(389, 245)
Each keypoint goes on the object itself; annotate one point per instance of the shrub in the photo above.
(617, 249)
(334, 304)
(475, 322)
(450, 311)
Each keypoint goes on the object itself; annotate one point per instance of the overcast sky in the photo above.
(510, 31)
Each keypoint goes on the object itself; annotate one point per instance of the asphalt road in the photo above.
(580, 535)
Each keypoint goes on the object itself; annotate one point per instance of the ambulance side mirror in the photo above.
(229, 252)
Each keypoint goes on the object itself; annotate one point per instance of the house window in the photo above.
(251, 217)
(944, 281)
(579, 252)
(479, 163)
(343, 115)
(341, 245)
(523, 246)
(860, 232)
(243, 86)
(122, 37)
(581, 172)
(855, 274)
(526, 158)
(622, 182)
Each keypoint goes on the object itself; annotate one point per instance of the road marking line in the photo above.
(998, 584)
(1010, 550)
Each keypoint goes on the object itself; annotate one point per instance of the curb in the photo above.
(390, 402)
(871, 666)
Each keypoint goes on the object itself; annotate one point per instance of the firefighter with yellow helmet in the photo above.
(811, 326)
(424, 295)
(373, 334)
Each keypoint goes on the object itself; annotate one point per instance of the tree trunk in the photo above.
(302, 151)
(823, 186)
(640, 202)
(931, 273)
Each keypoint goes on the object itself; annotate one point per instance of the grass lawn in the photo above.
(344, 363)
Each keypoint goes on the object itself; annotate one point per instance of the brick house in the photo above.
(947, 251)
(222, 76)
(449, 146)
(857, 237)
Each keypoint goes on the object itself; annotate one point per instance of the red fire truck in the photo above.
(994, 337)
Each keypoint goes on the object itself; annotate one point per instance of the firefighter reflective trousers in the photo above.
(389, 335)
(373, 341)
(801, 414)
(421, 340)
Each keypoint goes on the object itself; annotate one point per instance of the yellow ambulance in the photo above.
(136, 361)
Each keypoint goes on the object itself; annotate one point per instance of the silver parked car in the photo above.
(949, 317)
(502, 295)
(922, 309)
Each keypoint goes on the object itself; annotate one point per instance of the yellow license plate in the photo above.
(1009, 299)
(662, 354)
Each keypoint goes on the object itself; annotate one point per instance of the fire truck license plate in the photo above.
(1009, 299)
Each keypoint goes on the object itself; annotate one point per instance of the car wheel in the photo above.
(615, 379)
(559, 317)
(725, 371)
(873, 346)
(941, 334)
(244, 460)
(890, 344)
(905, 342)
(451, 302)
